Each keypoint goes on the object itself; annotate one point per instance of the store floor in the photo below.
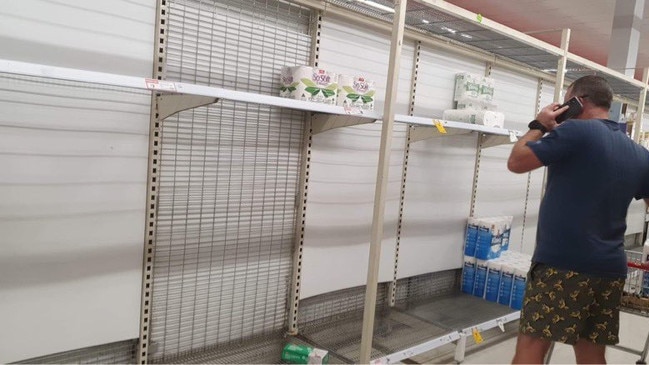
(633, 333)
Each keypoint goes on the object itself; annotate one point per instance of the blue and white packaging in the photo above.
(468, 274)
(506, 284)
(489, 243)
(480, 278)
(493, 280)
(471, 237)
(507, 230)
(518, 288)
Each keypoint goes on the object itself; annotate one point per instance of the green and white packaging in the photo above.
(356, 92)
(309, 84)
(300, 354)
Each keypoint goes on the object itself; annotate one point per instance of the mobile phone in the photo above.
(574, 109)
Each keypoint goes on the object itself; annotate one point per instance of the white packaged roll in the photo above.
(466, 86)
(288, 84)
(356, 91)
(315, 84)
(487, 90)
(481, 117)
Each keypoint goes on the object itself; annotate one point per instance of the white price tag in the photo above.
(512, 136)
(153, 84)
(352, 110)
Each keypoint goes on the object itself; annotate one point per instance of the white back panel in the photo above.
(73, 196)
(499, 191)
(340, 207)
(73, 161)
(440, 174)
(350, 49)
(436, 81)
(343, 170)
(528, 241)
(109, 36)
(437, 204)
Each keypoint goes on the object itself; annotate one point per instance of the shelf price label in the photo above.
(153, 84)
(439, 125)
(476, 335)
(512, 136)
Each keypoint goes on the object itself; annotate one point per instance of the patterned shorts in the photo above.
(565, 306)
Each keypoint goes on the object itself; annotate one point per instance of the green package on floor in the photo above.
(299, 354)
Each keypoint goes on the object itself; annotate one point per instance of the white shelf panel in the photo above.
(426, 128)
(356, 115)
(100, 78)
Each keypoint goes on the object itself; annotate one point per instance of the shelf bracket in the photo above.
(495, 140)
(170, 104)
(324, 122)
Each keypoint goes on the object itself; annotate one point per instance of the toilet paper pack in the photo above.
(309, 84)
(356, 91)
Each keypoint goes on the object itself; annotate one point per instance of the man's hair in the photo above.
(596, 88)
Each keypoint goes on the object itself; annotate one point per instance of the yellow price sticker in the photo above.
(476, 336)
(440, 126)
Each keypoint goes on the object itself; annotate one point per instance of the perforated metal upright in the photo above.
(402, 194)
(301, 199)
(155, 140)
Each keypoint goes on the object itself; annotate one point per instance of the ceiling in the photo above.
(590, 22)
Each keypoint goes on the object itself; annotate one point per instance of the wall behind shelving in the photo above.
(74, 163)
(344, 165)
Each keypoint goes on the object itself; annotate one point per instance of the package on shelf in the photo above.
(487, 90)
(474, 92)
(288, 85)
(480, 278)
(471, 236)
(467, 85)
(356, 92)
(489, 242)
(518, 286)
(310, 84)
(475, 104)
(508, 220)
(506, 283)
(468, 274)
(517, 257)
(494, 270)
(485, 237)
(482, 117)
(500, 280)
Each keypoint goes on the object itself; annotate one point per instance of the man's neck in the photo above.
(594, 114)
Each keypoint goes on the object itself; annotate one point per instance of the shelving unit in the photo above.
(410, 328)
(439, 22)
(406, 331)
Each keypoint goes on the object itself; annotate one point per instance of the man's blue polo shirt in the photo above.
(594, 170)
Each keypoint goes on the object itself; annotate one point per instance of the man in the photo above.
(579, 265)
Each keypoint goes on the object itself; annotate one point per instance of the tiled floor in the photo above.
(633, 333)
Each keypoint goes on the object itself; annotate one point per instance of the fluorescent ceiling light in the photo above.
(378, 6)
(449, 30)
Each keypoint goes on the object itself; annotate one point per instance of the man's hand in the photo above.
(522, 159)
(548, 115)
